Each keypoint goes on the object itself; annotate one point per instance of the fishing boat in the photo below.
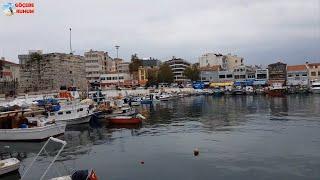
(217, 92)
(125, 111)
(135, 101)
(137, 119)
(238, 91)
(276, 90)
(315, 87)
(13, 128)
(146, 100)
(79, 175)
(9, 165)
(72, 113)
(249, 90)
(164, 97)
(125, 120)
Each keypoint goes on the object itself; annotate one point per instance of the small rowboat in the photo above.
(125, 120)
(9, 165)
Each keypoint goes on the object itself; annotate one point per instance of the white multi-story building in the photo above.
(227, 62)
(178, 66)
(242, 73)
(112, 80)
(262, 74)
(123, 67)
(313, 71)
(97, 63)
(297, 75)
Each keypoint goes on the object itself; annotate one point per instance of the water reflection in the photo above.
(279, 108)
(223, 126)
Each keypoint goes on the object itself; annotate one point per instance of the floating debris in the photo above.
(196, 152)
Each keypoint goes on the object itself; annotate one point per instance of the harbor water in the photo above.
(238, 137)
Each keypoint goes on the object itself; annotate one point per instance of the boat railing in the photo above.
(63, 144)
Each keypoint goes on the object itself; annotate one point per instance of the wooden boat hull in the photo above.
(32, 134)
(146, 102)
(277, 93)
(79, 120)
(125, 120)
(9, 165)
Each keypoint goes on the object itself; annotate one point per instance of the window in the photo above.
(304, 74)
(236, 61)
(103, 78)
(60, 113)
(318, 73)
(52, 114)
(108, 78)
(313, 73)
(297, 75)
(68, 112)
(229, 75)
(81, 109)
(236, 76)
(289, 75)
(222, 76)
(242, 76)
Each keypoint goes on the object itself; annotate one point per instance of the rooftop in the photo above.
(2, 61)
(297, 68)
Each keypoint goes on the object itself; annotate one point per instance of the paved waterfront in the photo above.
(243, 137)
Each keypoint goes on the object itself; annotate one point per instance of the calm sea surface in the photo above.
(239, 137)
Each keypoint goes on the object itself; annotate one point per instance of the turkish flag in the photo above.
(92, 176)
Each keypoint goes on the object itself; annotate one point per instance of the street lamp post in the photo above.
(70, 41)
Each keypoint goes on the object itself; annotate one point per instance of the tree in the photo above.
(152, 77)
(192, 73)
(165, 74)
(135, 63)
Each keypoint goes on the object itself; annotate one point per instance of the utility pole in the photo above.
(70, 41)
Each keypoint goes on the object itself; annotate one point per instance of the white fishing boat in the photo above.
(9, 165)
(72, 113)
(125, 111)
(29, 129)
(135, 101)
(165, 97)
(249, 90)
(315, 87)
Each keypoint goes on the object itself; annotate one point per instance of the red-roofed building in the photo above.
(9, 77)
(9, 71)
(297, 75)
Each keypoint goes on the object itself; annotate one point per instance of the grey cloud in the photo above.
(260, 31)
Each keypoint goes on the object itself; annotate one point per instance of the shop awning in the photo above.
(220, 84)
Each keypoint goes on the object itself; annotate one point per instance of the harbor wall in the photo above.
(137, 92)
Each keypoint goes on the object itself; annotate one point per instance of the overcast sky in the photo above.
(260, 31)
